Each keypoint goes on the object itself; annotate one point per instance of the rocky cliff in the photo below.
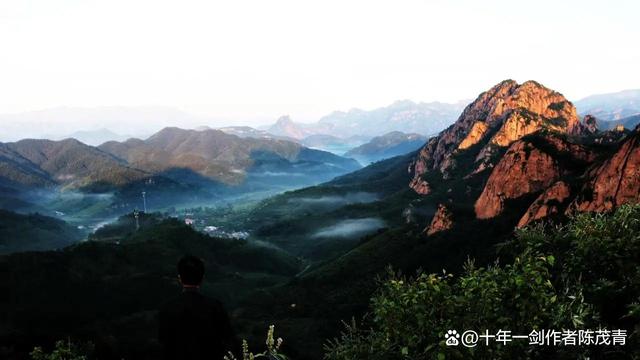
(531, 165)
(616, 181)
(549, 203)
(497, 118)
(524, 169)
(523, 148)
(442, 220)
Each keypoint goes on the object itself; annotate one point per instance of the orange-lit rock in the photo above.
(546, 204)
(616, 181)
(506, 112)
(524, 169)
(475, 135)
(442, 220)
(420, 186)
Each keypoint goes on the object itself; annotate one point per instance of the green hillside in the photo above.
(109, 291)
(34, 232)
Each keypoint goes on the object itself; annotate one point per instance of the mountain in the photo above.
(388, 145)
(517, 154)
(529, 145)
(211, 154)
(174, 167)
(332, 143)
(514, 152)
(611, 106)
(221, 157)
(58, 123)
(68, 163)
(95, 137)
(614, 182)
(16, 170)
(320, 140)
(405, 116)
(529, 166)
(507, 147)
(628, 123)
(34, 232)
(498, 117)
(285, 127)
(248, 132)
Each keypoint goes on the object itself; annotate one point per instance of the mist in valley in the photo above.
(349, 198)
(350, 228)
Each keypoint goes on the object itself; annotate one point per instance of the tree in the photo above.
(582, 275)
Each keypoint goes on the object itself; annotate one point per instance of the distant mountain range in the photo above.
(611, 106)
(94, 137)
(405, 116)
(176, 164)
(247, 132)
(217, 155)
(516, 155)
(69, 163)
(66, 122)
(388, 145)
(628, 123)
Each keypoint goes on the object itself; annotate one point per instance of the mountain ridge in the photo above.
(388, 145)
(405, 115)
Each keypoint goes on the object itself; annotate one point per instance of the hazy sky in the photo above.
(255, 60)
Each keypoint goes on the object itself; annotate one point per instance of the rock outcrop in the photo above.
(614, 182)
(524, 169)
(497, 118)
(590, 124)
(547, 204)
(420, 186)
(442, 220)
(476, 134)
(531, 143)
(529, 166)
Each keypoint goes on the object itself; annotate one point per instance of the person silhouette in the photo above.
(192, 326)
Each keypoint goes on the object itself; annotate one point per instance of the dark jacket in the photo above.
(195, 327)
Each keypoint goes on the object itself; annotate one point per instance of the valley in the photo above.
(291, 235)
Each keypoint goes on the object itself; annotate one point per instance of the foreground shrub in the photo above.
(583, 275)
(63, 350)
(272, 352)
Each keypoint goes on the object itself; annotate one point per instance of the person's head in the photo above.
(190, 270)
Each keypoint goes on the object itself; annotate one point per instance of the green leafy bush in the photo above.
(63, 350)
(582, 275)
(272, 352)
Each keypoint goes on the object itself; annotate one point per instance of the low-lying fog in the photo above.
(350, 228)
(349, 198)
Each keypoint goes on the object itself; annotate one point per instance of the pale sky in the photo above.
(252, 61)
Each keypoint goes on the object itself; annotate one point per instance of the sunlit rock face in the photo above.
(547, 204)
(616, 181)
(497, 118)
(524, 169)
(420, 186)
(529, 166)
(478, 130)
(442, 220)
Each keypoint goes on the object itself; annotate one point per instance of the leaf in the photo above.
(551, 260)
